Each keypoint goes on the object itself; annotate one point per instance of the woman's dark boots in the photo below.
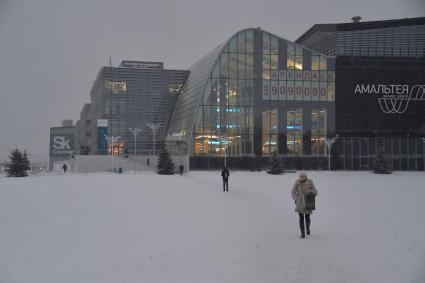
(302, 225)
(307, 222)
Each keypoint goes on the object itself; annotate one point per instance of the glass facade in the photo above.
(305, 78)
(294, 131)
(301, 81)
(270, 131)
(224, 120)
(250, 97)
(198, 89)
(318, 131)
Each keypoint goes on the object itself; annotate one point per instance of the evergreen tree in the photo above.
(382, 165)
(165, 163)
(19, 164)
(276, 166)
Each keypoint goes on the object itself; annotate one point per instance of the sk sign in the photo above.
(60, 142)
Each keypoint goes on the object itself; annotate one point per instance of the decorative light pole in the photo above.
(226, 149)
(154, 128)
(223, 141)
(226, 152)
(135, 132)
(112, 140)
(329, 142)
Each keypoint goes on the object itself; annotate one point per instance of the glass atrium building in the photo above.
(255, 95)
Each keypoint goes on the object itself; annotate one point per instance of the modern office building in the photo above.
(128, 96)
(380, 90)
(83, 131)
(257, 94)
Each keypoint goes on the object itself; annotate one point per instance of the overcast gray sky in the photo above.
(51, 50)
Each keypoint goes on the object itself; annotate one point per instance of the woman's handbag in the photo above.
(310, 202)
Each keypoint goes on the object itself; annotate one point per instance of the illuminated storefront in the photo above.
(255, 95)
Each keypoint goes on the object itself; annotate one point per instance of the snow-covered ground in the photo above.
(151, 228)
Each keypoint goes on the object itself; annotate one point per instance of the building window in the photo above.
(114, 106)
(203, 144)
(107, 106)
(331, 91)
(299, 58)
(290, 56)
(241, 66)
(323, 63)
(270, 131)
(274, 45)
(294, 131)
(314, 62)
(241, 42)
(116, 127)
(249, 42)
(266, 43)
(175, 88)
(115, 87)
(266, 62)
(273, 62)
(249, 63)
(233, 67)
(224, 65)
(318, 131)
(233, 45)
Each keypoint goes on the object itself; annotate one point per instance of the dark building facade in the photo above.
(380, 90)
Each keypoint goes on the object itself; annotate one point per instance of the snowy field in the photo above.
(150, 228)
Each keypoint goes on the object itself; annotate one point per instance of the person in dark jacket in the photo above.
(181, 169)
(65, 168)
(303, 187)
(225, 174)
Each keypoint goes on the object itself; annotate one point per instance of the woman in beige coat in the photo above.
(302, 187)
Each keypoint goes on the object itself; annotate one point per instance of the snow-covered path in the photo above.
(151, 228)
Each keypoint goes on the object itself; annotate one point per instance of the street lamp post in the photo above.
(226, 149)
(329, 142)
(135, 132)
(224, 143)
(225, 153)
(154, 128)
(112, 140)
